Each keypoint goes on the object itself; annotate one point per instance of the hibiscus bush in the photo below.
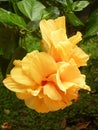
(48, 57)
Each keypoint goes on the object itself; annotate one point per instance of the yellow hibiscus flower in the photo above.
(44, 84)
(56, 42)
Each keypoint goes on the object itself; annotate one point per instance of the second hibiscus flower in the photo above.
(56, 42)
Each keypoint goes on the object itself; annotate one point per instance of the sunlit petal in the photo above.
(14, 86)
(35, 65)
(57, 36)
(19, 76)
(76, 38)
(65, 50)
(69, 71)
(34, 92)
(60, 23)
(80, 56)
(17, 63)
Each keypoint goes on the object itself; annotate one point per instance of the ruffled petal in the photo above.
(17, 63)
(76, 38)
(65, 50)
(51, 91)
(34, 92)
(71, 94)
(28, 93)
(80, 56)
(35, 65)
(57, 36)
(54, 105)
(69, 71)
(46, 27)
(50, 26)
(62, 51)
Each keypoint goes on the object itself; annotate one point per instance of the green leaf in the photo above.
(62, 2)
(31, 8)
(65, 2)
(92, 24)
(51, 12)
(30, 43)
(14, 5)
(10, 18)
(69, 2)
(79, 5)
(74, 20)
(93, 30)
(93, 18)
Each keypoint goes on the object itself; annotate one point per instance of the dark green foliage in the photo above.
(92, 28)
(91, 70)
(30, 43)
(9, 18)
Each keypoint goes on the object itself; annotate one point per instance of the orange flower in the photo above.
(45, 85)
(56, 42)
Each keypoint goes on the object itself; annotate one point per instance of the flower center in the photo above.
(43, 82)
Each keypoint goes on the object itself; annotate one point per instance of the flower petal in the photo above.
(36, 104)
(62, 51)
(69, 71)
(34, 92)
(19, 76)
(76, 38)
(28, 93)
(72, 93)
(80, 56)
(57, 36)
(35, 65)
(51, 91)
(65, 50)
(23, 95)
(47, 27)
(17, 63)
(60, 23)
(12, 85)
(54, 105)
